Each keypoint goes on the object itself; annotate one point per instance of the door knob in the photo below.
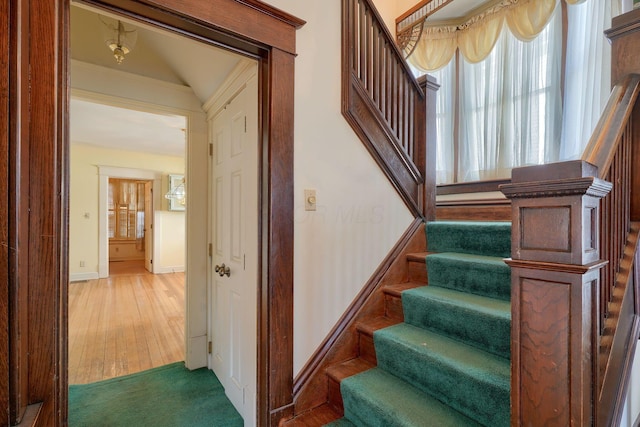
(222, 270)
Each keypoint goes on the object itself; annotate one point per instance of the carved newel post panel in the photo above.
(555, 270)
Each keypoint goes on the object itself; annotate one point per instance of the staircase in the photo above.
(448, 361)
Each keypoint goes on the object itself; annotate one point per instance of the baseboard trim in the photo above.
(80, 277)
(166, 270)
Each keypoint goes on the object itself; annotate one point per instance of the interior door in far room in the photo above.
(148, 226)
(235, 242)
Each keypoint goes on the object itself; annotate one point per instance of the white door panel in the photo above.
(235, 241)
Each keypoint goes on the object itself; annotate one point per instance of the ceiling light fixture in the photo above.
(177, 191)
(118, 38)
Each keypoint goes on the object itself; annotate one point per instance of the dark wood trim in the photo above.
(621, 330)
(479, 212)
(624, 24)
(635, 171)
(274, 12)
(607, 133)
(474, 202)
(373, 132)
(18, 214)
(246, 20)
(276, 302)
(310, 387)
(555, 281)
(565, 36)
(430, 86)
(6, 46)
(46, 280)
(456, 121)
(248, 26)
(390, 134)
(471, 187)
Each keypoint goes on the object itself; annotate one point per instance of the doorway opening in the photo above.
(123, 316)
(174, 76)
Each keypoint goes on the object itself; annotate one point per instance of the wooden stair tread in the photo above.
(348, 368)
(372, 325)
(418, 257)
(397, 289)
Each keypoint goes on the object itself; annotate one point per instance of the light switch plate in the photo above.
(310, 200)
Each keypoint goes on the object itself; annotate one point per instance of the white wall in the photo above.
(360, 216)
(84, 212)
(170, 228)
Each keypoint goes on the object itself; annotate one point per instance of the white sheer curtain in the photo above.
(510, 105)
(587, 72)
(446, 102)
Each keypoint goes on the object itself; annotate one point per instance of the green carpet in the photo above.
(470, 237)
(166, 396)
(448, 364)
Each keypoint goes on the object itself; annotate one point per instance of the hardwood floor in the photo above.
(126, 323)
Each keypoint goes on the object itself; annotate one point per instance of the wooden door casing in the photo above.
(249, 27)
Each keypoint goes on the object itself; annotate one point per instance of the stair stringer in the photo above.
(342, 343)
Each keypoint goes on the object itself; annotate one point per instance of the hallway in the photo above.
(129, 322)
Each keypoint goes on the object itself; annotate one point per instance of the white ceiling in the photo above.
(457, 9)
(124, 129)
(158, 54)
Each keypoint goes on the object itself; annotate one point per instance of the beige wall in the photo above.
(391, 9)
(84, 213)
(360, 216)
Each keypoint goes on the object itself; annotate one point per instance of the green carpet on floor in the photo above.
(168, 396)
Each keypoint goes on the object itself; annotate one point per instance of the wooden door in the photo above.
(235, 242)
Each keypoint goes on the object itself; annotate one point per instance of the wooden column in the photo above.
(430, 87)
(625, 42)
(555, 268)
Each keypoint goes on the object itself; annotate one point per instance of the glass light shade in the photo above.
(119, 38)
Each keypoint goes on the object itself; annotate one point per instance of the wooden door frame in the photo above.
(34, 149)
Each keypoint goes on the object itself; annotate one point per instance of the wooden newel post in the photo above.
(430, 87)
(555, 265)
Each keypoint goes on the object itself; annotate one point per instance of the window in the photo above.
(126, 209)
(513, 108)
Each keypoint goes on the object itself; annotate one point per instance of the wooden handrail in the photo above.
(583, 267)
(613, 149)
(608, 132)
(385, 105)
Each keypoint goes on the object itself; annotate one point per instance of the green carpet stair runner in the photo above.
(448, 364)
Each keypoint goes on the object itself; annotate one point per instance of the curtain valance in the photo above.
(477, 36)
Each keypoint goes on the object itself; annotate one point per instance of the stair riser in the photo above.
(491, 406)
(335, 397)
(393, 308)
(489, 333)
(367, 348)
(481, 279)
(492, 240)
(417, 272)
